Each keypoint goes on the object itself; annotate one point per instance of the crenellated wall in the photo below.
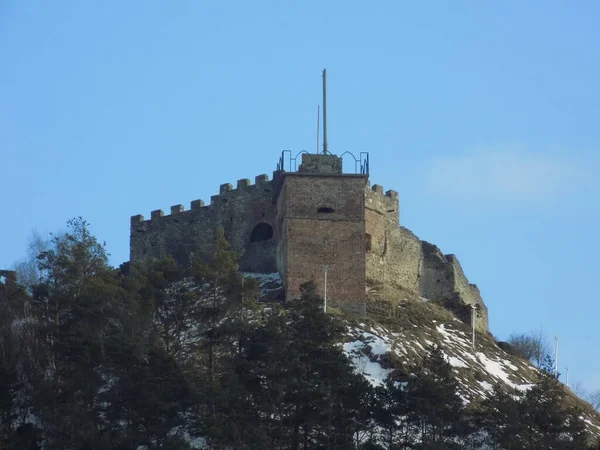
(185, 234)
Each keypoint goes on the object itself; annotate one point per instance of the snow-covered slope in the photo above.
(377, 352)
(395, 336)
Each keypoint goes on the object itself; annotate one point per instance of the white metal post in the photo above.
(325, 268)
(473, 312)
(555, 356)
(567, 376)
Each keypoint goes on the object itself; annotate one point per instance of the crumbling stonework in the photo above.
(302, 221)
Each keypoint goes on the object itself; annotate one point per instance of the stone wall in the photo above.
(469, 293)
(395, 253)
(188, 234)
(397, 258)
(319, 163)
(323, 221)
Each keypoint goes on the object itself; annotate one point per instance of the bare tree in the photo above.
(28, 272)
(578, 389)
(594, 399)
(542, 346)
(534, 346)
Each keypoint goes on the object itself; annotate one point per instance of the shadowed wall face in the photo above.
(246, 214)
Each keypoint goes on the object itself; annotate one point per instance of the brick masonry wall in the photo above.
(335, 236)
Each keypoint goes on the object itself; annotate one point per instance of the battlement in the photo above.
(226, 193)
(385, 203)
(187, 233)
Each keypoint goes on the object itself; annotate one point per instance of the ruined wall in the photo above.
(394, 253)
(323, 221)
(397, 258)
(187, 234)
(469, 293)
(437, 275)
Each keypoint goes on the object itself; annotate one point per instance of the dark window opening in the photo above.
(369, 242)
(325, 210)
(261, 232)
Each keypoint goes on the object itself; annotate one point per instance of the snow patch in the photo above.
(361, 351)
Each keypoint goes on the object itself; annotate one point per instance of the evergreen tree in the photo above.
(500, 418)
(295, 388)
(76, 307)
(538, 419)
(15, 346)
(436, 413)
(94, 358)
(550, 423)
(390, 412)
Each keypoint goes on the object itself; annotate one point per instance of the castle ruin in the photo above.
(303, 220)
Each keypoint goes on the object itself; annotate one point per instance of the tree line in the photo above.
(165, 357)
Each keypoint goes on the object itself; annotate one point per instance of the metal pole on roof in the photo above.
(318, 124)
(324, 111)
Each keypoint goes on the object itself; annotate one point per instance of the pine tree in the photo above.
(500, 418)
(220, 275)
(538, 419)
(76, 306)
(390, 412)
(550, 422)
(436, 412)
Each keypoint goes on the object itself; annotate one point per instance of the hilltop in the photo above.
(395, 335)
(157, 355)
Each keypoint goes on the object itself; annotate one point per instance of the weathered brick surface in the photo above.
(323, 221)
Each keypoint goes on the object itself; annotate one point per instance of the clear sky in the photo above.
(483, 115)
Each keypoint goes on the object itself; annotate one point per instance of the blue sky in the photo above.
(483, 115)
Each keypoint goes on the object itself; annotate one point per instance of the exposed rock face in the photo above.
(301, 222)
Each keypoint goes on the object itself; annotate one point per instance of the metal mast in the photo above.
(325, 111)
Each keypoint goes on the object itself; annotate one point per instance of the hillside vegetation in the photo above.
(162, 357)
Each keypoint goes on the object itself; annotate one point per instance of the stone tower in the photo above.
(321, 222)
